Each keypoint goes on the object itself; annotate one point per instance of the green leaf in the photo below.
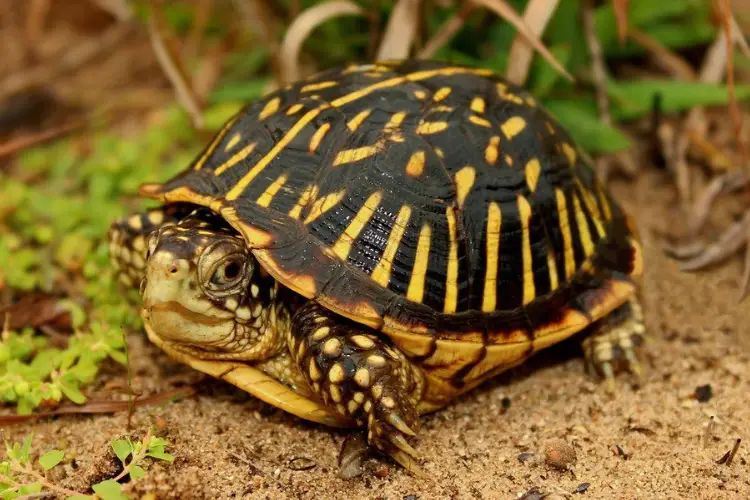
(544, 75)
(160, 455)
(109, 490)
(123, 448)
(23, 456)
(585, 128)
(51, 459)
(72, 393)
(137, 472)
(239, 92)
(634, 99)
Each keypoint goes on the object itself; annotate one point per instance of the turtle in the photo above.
(361, 247)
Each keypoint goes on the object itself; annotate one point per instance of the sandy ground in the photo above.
(229, 445)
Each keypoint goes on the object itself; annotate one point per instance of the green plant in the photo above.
(21, 476)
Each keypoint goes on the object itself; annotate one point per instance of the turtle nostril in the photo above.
(174, 268)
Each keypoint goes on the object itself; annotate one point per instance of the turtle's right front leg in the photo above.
(355, 371)
(128, 240)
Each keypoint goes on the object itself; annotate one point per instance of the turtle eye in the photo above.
(228, 272)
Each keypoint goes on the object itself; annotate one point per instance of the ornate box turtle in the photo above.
(361, 247)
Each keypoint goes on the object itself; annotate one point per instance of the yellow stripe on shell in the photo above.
(482, 122)
(235, 159)
(312, 87)
(494, 226)
(354, 155)
(533, 170)
(308, 194)
(267, 197)
(513, 126)
(464, 182)
(441, 94)
(451, 279)
(491, 152)
(382, 272)
(583, 226)
(270, 108)
(427, 128)
(562, 213)
(477, 105)
(415, 165)
(324, 204)
(529, 288)
(215, 142)
(396, 120)
(415, 292)
(355, 122)
(343, 245)
(232, 142)
(552, 267)
(318, 136)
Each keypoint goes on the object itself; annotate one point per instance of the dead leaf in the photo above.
(400, 32)
(505, 11)
(35, 310)
(536, 16)
(301, 28)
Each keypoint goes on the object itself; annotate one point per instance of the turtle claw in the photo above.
(397, 422)
(612, 348)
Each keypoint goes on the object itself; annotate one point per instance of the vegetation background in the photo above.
(98, 96)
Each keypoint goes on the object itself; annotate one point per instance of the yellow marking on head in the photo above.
(491, 151)
(354, 155)
(355, 122)
(552, 267)
(318, 136)
(533, 171)
(396, 120)
(267, 197)
(476, 120)
(451, 279)
(232, 142)
(441, 94)
(604, 201)
(215, 142)
(513, 126)
(382, 272)
(415, 292)
(235, 159)
(590, 202)
(416, 163)
(427, 128)
(420, 94)
(324, 204)
(312, 87)
(477, 105)
(569, 152)
(464, 182)
(294, 109)
(583, 226)
(336, 373)
(494, 226)
(529, 288)
(343, 245)
(270, 108)
(562, 213)
(502, 92)
(309, 193)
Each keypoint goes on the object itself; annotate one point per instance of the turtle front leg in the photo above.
(128, 240)
(358, 373)
(613, 344)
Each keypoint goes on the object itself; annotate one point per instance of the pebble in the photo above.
(560, 455)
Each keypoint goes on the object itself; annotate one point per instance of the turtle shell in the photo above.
(435, 203)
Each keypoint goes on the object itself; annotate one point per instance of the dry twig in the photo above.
(170, 63)
(16, 145)
(667, 60)
(400, 32)
(536, 16)
(505, 11)
(449, 28)
(301, 28)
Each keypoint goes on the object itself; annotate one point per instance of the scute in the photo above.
(436, 203)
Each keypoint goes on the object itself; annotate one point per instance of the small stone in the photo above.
(582, 488)
(505, 403)
(703, 393)
(560, 455)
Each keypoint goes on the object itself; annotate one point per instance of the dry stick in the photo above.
(170, 64)
(301, 28)
(734, 109)
(505, 11)
(733, 452)
(400, 31)
(536, 16)
(663, 57)
(446, 32)
(17, 145)
(70, 60)
(120, 9)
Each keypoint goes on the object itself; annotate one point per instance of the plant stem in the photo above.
(29, 471)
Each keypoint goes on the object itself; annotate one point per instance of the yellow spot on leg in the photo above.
(315, 373)
(336, 374)
(494, 222)
(529, 289)
(415, 291)
(362, 377)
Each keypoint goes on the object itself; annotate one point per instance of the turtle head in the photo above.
(203, 292)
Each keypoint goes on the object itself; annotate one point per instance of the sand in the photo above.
(648, 442)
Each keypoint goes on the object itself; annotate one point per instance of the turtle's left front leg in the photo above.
(357, 372)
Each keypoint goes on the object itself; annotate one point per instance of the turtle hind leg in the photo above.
(128, 240)
(613, 344)
(355, 371)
